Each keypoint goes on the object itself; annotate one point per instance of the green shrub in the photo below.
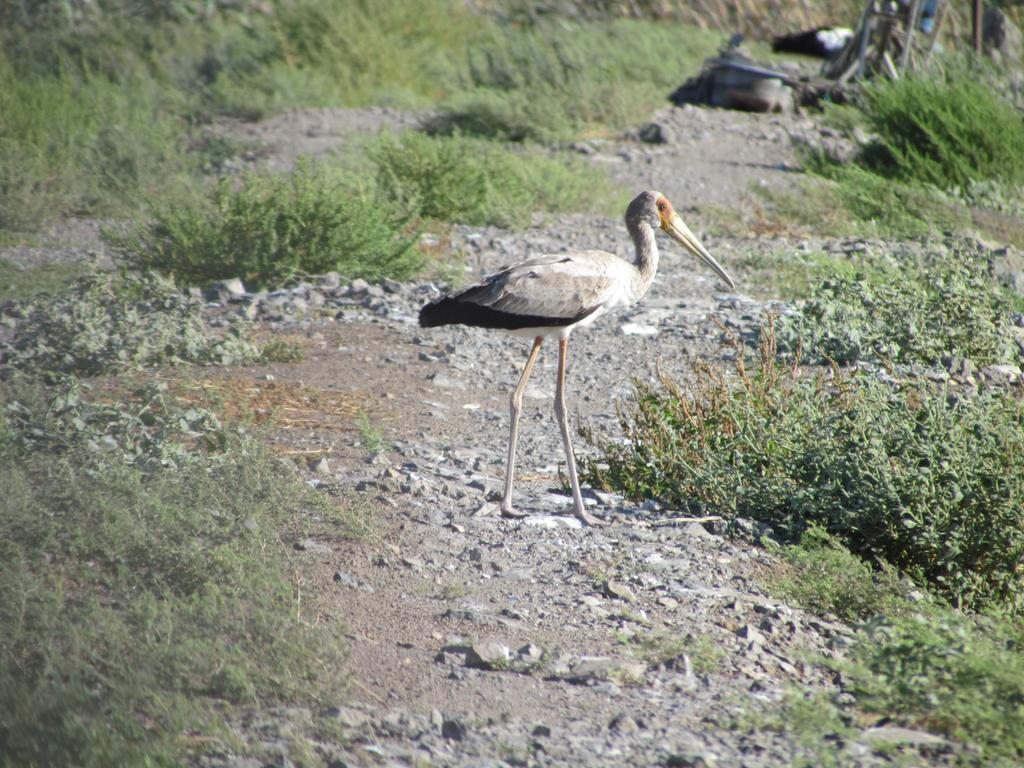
(947, 305)
(943, 132)
(473, 182)
(140, 598)
(939, 147)
(271, 228)
(108, 321)
(925, 483)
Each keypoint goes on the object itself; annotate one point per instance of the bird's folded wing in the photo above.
(559, 286)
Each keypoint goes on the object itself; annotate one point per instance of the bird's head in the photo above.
(655, 209)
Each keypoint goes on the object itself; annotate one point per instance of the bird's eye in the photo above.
(661, 205)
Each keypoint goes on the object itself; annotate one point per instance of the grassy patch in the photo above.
(554, 80)
(827, 578)
(888, 207)
(84, 146)
(137, 600)
(108, 322)
(474, 182)
(271, 228)
(669, 649)
(937, 670)
(925, 483)
(948, 674)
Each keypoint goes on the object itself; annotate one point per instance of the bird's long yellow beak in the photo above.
(675, 227)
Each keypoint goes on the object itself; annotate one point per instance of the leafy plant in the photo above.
(108, 321)
(912, 478)
(144, 427)
(271, 228)
(947, 305)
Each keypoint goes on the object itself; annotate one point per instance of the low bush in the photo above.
(270, 228)
(946, 305)
(474, 182)
(147, 580)
(107, 321)
(923, 482)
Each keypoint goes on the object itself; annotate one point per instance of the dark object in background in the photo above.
(825, 42)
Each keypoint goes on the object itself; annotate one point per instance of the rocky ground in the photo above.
(483, 641)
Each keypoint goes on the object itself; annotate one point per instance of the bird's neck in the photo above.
(646, 261)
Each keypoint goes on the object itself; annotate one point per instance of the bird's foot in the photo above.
(507, 510)
(588, 519)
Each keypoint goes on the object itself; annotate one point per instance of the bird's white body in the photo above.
(548, 296)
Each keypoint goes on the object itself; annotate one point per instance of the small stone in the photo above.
(352, 582)
(453, 729)
(347, 716)
(668, 602)
(750, 633)
(697, 531)
(329, 280)
(690, 760)
(1002, 373)
(486, 509)
(530, 654)
(893, 736)
(624, 724)
(591, 669)
(638, 329)
(657, 133)
(231, 288)
(321, 467)
(620, 591)
(541, 731)
(489, 654)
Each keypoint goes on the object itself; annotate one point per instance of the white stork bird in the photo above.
(551, 295)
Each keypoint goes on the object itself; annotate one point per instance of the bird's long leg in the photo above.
(563, 424)
(515, 408)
